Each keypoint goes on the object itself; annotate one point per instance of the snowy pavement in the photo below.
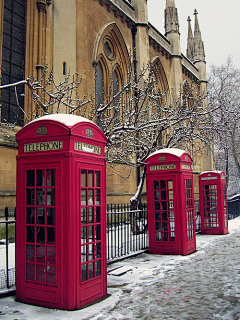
(203, 286)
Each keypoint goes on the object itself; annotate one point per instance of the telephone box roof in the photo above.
(173, 151)
(67, 119)
(212, 172)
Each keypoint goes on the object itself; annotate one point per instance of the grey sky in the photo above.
(219, 22)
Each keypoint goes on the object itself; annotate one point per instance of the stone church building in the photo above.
(80, 36)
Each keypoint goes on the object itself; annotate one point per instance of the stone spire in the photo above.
(171, 18)
(190, 41)
(173, 35)
(199, 52)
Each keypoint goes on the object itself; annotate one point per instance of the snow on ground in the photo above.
(202, 286)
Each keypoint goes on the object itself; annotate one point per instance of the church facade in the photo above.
(85, 36)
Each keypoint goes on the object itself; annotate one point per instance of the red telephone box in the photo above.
(213, 202)
(170, 201)
(61, 213)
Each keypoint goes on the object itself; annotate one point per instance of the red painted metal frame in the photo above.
(213, 202)
(171, 165)
(67, 158)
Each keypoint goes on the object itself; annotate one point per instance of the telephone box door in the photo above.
(190, 215)
(163, 217)
(213, 203)
(170, 197)
(40, 201)
(92, 213)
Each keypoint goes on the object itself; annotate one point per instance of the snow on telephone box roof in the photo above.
(67, 119)
(169, 159)
(171, 151)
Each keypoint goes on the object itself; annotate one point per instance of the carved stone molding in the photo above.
(41, 5)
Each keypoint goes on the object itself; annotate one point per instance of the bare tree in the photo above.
(224, 98)
(137, 120)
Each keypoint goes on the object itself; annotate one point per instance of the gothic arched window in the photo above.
(99, 88)
(111, 60)
(115, 103)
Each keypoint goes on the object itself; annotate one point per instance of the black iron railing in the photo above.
(126, 235)
(126, 231)
(7, 229)
(234, 207)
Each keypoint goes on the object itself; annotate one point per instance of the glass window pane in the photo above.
(40, 216)
(51, 274)
(97, 214)
(90, 197)
(50, 177)
(98, 250)
(51, 236)
(98, 268)
(156, 195)
(51, 216)
(90, 233)
(40, 273)
(51, 255)
(83, 197)
(84, 272)
(164, 216)
(50, 197)
(40, 252)
(97, 232)
(40, 235)
(157, 215)
(91, 270)
(99, 86)
(30, 178)
(83, 254)
(97, 196)
(30, 234)
(40, 178)
(165, 226)
(97, 179)
(90, 214)
(171, 215)
(158, 226)
(83, 234)
(163, 195)
(170, 205)
(30, 253)
(165, 236)
(90, 252)
(83, 178)
(156, 185)
(90, 178)
(170, 195)
(172, 236)
(40, 197)
(84, 215)
(30, 197)
(158, 236)
(170, 184)
(157, 205)
(30, 215)
(30, 271)
(163, 184)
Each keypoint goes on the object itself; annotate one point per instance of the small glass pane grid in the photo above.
(189, 209)
(164, 210)
(90, 225)
(210, 206)
(225, 207)
(40, 226)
